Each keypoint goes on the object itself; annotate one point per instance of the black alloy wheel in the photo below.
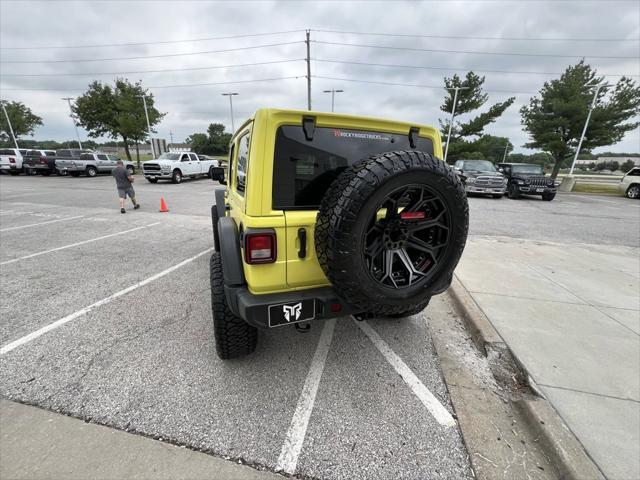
(406, 237)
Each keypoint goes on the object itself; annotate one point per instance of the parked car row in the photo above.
(72, 161)
(512, 179)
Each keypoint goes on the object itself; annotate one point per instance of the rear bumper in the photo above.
(254, 309)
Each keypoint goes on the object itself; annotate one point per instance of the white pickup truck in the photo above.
(11, 160)
(175, 166)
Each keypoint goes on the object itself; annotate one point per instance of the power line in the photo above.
(146, 71)
(439, 87)
(155, 87)
(162, 42)
(458, 69)
(464, 37)
(476, 52)
(153, 56)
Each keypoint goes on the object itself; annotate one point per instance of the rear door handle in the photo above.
(302, 237)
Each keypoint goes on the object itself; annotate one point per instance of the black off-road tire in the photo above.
(234, 337)
(513, 192)
(176, 177)
(350, 203)
(214, 223)
(413, 311)
(547, 197)
(152, 180)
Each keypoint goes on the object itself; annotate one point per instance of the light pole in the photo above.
(231, 95)
(586, 123)
(10, 127)
(171, 135)
(146, 114)
(68, 99)
(333, 92)
(506, 147)
(453, 114)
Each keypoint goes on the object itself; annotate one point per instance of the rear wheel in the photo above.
(234, 337)
(176, 177)
(633, 191)
(91, 171)
(513, 191)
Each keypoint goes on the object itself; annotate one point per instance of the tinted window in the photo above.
(527, 169)
(50, 153)
(243, 159)
(102, 157)
(478, 166)
(7, 152)
(22, 151)
(169, 156)
(185, 158)
(634, 173)
(113, 158)
(86, 156)
(303, 170)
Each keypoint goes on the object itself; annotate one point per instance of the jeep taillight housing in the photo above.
(12, 160)
(260, 247)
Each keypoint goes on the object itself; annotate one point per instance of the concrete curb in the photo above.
(559, 443)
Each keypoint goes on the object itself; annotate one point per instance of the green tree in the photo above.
(214, 142)
(470, 98)
(117, 111)
(555, 118)
(628, 165)
(23, 120)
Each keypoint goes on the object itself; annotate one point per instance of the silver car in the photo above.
(630, 183)
(481, 177)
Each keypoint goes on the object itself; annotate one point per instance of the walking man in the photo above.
(124, 185)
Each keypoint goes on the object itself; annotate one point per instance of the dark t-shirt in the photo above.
(122, 178)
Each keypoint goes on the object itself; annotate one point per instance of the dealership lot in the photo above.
(132, 347)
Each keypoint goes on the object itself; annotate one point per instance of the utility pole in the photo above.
(308, 42)
(333, 92)
(586, 123)
(10, 127)
(506, 147)
(68, 99)
(453, 114)
(231, 95)
(146, 114)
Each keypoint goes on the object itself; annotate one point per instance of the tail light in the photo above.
(12, 160)
(43, 159)
(260, 247)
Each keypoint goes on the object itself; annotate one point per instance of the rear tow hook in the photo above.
(303, 327)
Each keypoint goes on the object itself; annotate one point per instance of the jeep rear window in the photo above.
(303, 170)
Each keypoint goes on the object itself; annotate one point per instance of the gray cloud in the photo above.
(191, 109)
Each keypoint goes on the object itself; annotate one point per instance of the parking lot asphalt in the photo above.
(110, 332)
(107, 317)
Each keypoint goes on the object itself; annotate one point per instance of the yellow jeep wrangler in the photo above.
(327, 215)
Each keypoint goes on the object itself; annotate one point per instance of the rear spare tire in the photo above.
(234, 337)
(390, 231)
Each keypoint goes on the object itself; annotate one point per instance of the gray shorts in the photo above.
(123, 192)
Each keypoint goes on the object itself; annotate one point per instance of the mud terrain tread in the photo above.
(234, 337)
(339, 210)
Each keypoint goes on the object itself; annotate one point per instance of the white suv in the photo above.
(630, 183)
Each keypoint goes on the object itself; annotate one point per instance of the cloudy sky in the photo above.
(178, 53)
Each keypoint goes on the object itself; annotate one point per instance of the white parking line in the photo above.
(58, 323)
(77, 244)
(288, 459)
(41, 223)
(438, 411)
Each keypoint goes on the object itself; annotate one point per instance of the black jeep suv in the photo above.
(529, 179)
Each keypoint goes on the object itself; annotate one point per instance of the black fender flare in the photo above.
(230, 252)
(220, 203)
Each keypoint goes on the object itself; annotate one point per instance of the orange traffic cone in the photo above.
(163, 205)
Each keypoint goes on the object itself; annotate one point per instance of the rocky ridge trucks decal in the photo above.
(361, 135)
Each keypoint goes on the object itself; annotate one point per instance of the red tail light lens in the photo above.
(12, 160)
(43, 159)
(260, 248)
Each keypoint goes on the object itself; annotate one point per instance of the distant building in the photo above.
(620, 160)
(179, 147)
